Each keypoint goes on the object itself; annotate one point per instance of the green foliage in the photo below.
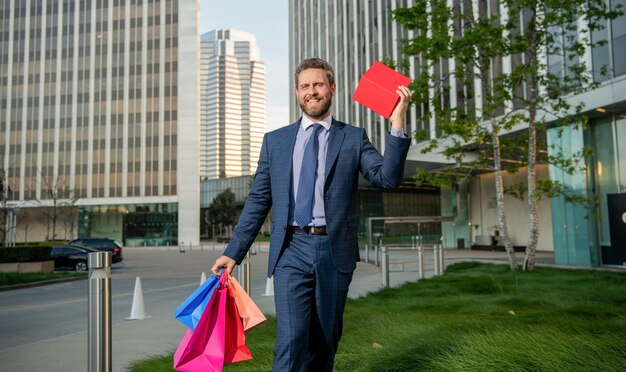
(479, 101)
(443, 33)
(222, 209)
(423, 177)
(25, 254)
(527, 347)
(47, 243)
(476, 317)
(152, 364)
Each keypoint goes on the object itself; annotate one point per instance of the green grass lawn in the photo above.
(19, 278)
(476, 317)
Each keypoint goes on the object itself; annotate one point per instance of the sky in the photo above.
(267, 20)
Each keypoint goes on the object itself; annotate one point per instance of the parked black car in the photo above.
(70, 257)
(103, 244)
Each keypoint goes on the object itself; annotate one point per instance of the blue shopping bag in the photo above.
(190, 311)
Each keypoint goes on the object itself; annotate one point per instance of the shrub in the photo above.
(47, 243)
(25, 254)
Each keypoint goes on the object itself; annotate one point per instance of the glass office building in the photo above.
(99, 104)
(592, 235)
(353, 35)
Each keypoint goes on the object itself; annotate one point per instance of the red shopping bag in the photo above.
(218, 338)
(235, 349)
(248, 310)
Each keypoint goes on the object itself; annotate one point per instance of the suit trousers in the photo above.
(310, 296)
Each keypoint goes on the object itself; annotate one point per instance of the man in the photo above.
(315, 216)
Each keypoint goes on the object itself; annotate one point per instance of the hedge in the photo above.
(25, 254)
(47, 243)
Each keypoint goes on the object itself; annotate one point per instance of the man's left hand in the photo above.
(397, 116)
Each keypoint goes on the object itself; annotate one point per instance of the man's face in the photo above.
(315, 93)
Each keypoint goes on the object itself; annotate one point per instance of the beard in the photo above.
(317, 113)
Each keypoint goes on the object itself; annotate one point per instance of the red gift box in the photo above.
(377, 89)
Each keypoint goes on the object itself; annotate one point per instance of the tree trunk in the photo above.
(533, 212)
(54, 219)
(502, 225)
(484, 73)
(533, 229)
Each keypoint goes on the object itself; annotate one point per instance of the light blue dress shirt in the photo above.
(304, 132)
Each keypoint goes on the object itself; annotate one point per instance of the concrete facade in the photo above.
(100, 109)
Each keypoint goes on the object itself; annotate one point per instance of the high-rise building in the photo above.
(99, 111)
(351, 35)
(232, 121)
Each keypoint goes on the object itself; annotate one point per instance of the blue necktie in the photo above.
(303, 213)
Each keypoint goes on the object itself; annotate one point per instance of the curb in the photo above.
(40, 283)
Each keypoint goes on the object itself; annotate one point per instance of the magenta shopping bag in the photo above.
(218, 338)
(191, 309)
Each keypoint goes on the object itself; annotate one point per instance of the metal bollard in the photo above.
(420, 262)
(246, 265)
(243, 273)
(379, 239)
(99, 329)
(436, 259)
(441, 257)
(367, 254)
(240, 273)
(385, 266)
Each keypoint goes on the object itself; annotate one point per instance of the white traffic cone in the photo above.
(137, 310)
(269, 287)
(202, 278)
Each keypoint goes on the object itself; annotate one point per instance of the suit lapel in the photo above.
(290, 142)
(335, 140)
(286, 153)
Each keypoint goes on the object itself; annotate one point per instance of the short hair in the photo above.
(316, 63)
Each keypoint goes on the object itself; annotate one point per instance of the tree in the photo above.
(6, 213)
(9, 221)
(484, 74)
(61, 206)
(221, 211)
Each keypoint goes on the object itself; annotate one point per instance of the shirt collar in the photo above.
(326, 122)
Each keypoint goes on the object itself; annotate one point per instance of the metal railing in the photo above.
(416, 243)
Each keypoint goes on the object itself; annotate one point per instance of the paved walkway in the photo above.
(168, 277)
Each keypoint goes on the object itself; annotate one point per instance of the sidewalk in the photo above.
(161, 333)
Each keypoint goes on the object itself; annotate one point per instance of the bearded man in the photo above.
(308, 175)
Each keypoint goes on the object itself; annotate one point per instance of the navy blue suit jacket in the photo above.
(349, 152)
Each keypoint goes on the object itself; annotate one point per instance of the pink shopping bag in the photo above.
(218, 338)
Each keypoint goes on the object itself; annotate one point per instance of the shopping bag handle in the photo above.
(223, 278)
